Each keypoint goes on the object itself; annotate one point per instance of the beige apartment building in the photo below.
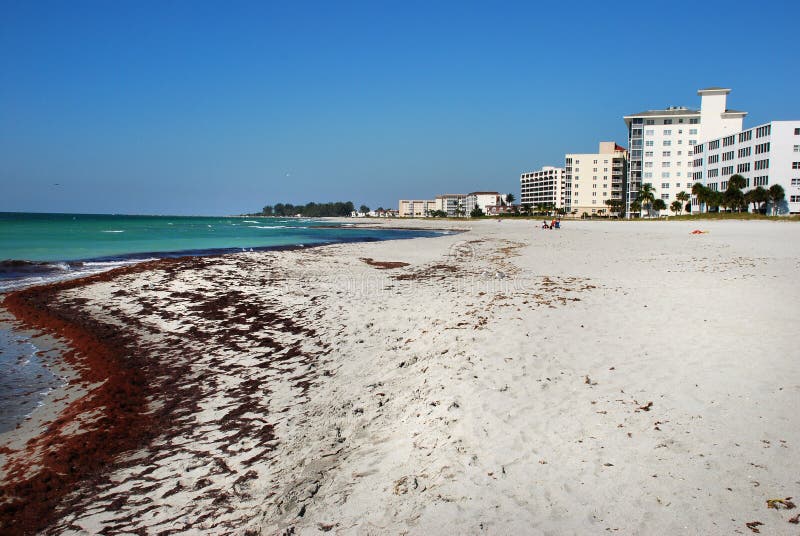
(416, 208)
(452, 204)
(593, 178)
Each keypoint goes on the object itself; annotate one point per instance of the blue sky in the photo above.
(219, 108)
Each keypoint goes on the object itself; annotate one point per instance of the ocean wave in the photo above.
(112, 231)
(249, 221)
(267, 226)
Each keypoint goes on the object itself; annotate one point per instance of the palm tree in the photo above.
(737, 181)
(702, 194)
(647, 195)
(713, 199)
(776, 195)
(636, 207)
(526, 209)
(510, 198)
(734, 197)
(675, 206)
(659, 205)
(683, 197)
(757, 196)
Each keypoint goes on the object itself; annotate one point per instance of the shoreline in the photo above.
(477, 382)
(42, 472)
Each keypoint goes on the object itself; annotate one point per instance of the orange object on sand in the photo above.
(698, 231)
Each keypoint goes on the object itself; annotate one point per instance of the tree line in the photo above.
(310, 210)
(733, 198)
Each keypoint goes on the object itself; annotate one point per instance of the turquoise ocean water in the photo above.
(37, 248)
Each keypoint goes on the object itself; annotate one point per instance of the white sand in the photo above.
(613, 376)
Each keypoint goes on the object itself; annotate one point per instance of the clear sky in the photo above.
(218, 108)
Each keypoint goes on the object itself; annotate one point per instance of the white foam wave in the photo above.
(113, 231)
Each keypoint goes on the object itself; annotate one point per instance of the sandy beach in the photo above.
(622, 377)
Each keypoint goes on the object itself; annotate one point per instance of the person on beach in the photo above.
(544, 224)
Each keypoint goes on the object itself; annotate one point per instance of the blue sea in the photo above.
(37, 248)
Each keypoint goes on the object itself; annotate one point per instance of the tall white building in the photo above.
(594, 178)
(544, 187)
(661, 143)
(764, 155)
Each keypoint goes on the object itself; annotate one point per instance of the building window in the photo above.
(666, 153)
(795, 165)
(794, 198)
(745, 136)
(713, 145)
(764, 164)
(728, 140)
(649, 132)
(761, 181)
(797, 132)
(648, 153)
(694, 120)
(665, 185)
(713, 159)
(667, 143)
(667, 121)
(650, 122)
(668, 132)
(729, 155)
(648, 143)
(693, 131)
(692, 142)
(743, 168)
(762, 148)
(796, 182)
(665, 164)
(797, 148)
(744, 151)
(763, 131)
(665, 174)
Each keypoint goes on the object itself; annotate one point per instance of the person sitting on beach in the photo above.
(544, 224)
(553, 224)
(558, 224)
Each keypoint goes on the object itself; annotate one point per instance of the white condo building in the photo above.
(661, 143)
(481, 200)
(544, 187)
(594, 178)
(764, 155)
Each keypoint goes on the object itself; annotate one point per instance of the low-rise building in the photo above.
(594, 178)
(764, 155)
(499, 210)
(452, 204)
(416, 208)
(480, 200)
(546, 187)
